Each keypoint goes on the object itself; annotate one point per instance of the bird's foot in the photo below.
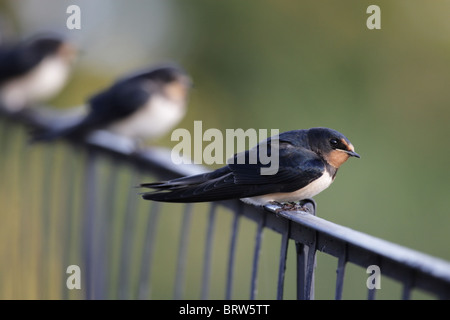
(307, 205)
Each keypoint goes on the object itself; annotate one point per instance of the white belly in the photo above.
(151, 121)
(309, 191)
(45, 81)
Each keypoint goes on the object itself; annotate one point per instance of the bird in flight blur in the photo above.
(143, 105)
(308, 163)
(34, 70)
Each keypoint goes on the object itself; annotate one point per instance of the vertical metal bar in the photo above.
(340, 273)
(68, 212)
(306, 261)
(282, 265)
(301, 270)
(443, 295)
(25, 181)
(182, 253)
(256, 255)
(45, 214)
(208, 252)
(371, 294)
(127, 240)
(408, 285)
(90, 187)
(107, 228)
(310, 266)
(306, 257)
(232, 252)
(100, 242)
(147, 254)
(406, 292)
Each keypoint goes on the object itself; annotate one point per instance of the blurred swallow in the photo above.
(34, 70)
(308, 163)
(143, 105)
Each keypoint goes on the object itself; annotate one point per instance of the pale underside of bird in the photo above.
(42, 83)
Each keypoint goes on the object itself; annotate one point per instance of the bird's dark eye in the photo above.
(334, 142)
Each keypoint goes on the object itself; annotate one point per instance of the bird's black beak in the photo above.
(353, 154)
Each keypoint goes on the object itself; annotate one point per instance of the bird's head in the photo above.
(331, 145)
(175, 82)
(44, 45)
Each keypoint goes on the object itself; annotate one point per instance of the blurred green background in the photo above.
(290, 65)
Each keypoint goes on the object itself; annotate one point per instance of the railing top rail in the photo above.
(433, 266)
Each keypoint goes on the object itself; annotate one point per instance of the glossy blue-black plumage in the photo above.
(298, 166)
(16, 60)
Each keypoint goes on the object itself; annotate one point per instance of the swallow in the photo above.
(308, 162)
(142, 105)
(34, 70)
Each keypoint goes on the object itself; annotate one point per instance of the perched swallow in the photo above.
(34, 70)
(308, 163)
(143, 105)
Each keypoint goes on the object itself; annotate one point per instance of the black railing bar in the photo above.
(232, 250)
(139, 226)
(89, 209)
(182, 252)
(45, 211)
(67, 209)
(400, 272)
(122, 149)
(310, 267)
(406, 291)
(110, 215)
(148, 251)
(208, 252)
(101, 242)
(419, 261)
(444, 295)
(24, 181)
(61, 210)
(99, 249)
(282, 264)
(340, 273)
(153, 159)
(408, 285)
(371, 294)
(29, 241)
(256, 256)
(311, 255)
(301, 270)
(128, 235)
(362, 257)
(272, 221)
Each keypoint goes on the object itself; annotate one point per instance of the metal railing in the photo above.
(74, 203)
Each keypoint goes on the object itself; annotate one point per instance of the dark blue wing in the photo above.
(116, 103)
(16, 62)
(297, 167)
(120, 101)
